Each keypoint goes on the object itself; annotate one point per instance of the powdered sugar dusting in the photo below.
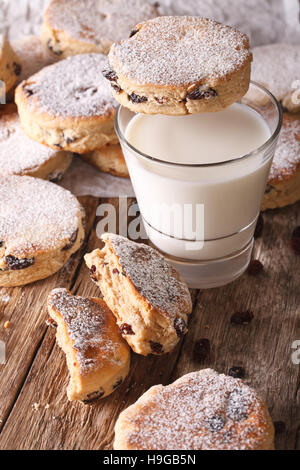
(33, 54)
(18, 153)
(93, 20)
(287, 155)
(276, 66)
(35, 215)
(154, 278)
(201, 411)
(180, 51)
(86, 320)
(74, 87)
(1, 43)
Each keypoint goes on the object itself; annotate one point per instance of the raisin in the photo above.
(126, 329)
(73, 239)
(118, 383)
(180, 327)
(1, 243)
(279, 427)
(259, 227)
(236, 372)
(198, 94)
(201, 350)
(17, 68)
(156, 347)
(160, 100)
(137, 98)
(215, 423)
(110, 75)
(91, 397)
(116, 271)
(242, 318)
(295, 245)
(255, 267)
(50, 47)
(133, 32)
(15, 264)
(236, 407)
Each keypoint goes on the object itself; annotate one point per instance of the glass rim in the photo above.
(254, 152)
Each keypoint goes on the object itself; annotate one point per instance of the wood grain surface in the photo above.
(34, 410)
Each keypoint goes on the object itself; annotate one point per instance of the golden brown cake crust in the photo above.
(97, 357)
(277, 67)
(180, 65)
(75, 27)
(68, 105)
(41, 226)
(109, 159)
(34, 56)
(146, 294)
(200, 411)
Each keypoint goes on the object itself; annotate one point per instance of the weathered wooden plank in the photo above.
(24, 308)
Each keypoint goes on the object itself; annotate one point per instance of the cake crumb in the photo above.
(35, 406)
(6, 325)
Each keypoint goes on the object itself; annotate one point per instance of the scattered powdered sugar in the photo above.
(276, 66)
(287, 155)
(35, 215)
(153, 277)
(82, 179)
(74, 87)
(94, 20)
(86, 320)
(180, 51)
(33, 54)
(201, 411)
(18, 153)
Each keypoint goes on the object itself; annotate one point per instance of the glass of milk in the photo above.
(199, 181)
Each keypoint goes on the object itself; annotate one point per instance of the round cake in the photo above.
(69, 105)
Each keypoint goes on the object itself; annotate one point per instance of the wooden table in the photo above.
(34, 410)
